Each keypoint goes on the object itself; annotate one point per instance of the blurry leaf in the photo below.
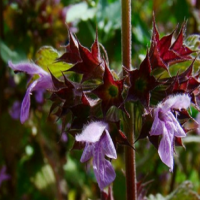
(80, 11)
(73, 174)
(178, 7)
(46, 58)
(181, 67)
(193, 42)
(184, 191)
(7, 54)
(44, 177)
(156, 197)
(108, 20)
(190, 139)
(119, 186)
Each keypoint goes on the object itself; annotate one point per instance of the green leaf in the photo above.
(109, 20)
(7, 54)
(193, 42)
(184, 191)
(80, 11)
(44, 178)
(189, 139)
(46, 58)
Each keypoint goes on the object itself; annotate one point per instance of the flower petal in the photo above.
(39, 96)
(108, 146)
(3, 175)
(165, 149)
(177, 129)
(104, 172)
(25, 107)
(157, 125)
(92, 132)
(44, 83)
(87, 153)
(29, 68)
(176, 102)
(14, 111)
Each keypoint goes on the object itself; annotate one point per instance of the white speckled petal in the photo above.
(176, 102)
(92, 132)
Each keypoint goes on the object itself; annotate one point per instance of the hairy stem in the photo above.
(131, 192)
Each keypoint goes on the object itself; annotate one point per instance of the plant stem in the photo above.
(131, 190)
(126, 33)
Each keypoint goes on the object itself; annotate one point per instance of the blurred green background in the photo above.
(37, 157)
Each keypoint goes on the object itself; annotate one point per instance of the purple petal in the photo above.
(176, 102)
(177, 129)
(41, 83)
(87, 153)
(108, 146)
(25, 107)
(92, 132)
(103, 169)
(165, 149)
(39, 96)
(44, 83)
(64, 137)
(15, 110)
(3, 175)
(157, 125)
(29, 68)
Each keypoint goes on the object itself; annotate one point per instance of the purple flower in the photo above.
(166, 124)
(39, 96)
(3, 175)
(43, 82)
(64, 137)
(14, 111)
(99, 144)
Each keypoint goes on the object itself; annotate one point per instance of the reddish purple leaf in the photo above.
(90, 66)
(163, 53)
(141, 83)
(72, 51)
(110, 92)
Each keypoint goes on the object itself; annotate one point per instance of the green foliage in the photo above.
(36, 157)
(7, 54)
(184, 191)
(80, 11)
(46, 58)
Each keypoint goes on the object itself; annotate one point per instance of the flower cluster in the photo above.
(91, 109)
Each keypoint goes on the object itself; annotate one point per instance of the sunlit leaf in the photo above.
(193, 41)
(191, 139)
(46, 58)
(44, 177)
(80, 11)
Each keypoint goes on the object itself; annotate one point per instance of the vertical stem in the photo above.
(126, 33)
(131, 190)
